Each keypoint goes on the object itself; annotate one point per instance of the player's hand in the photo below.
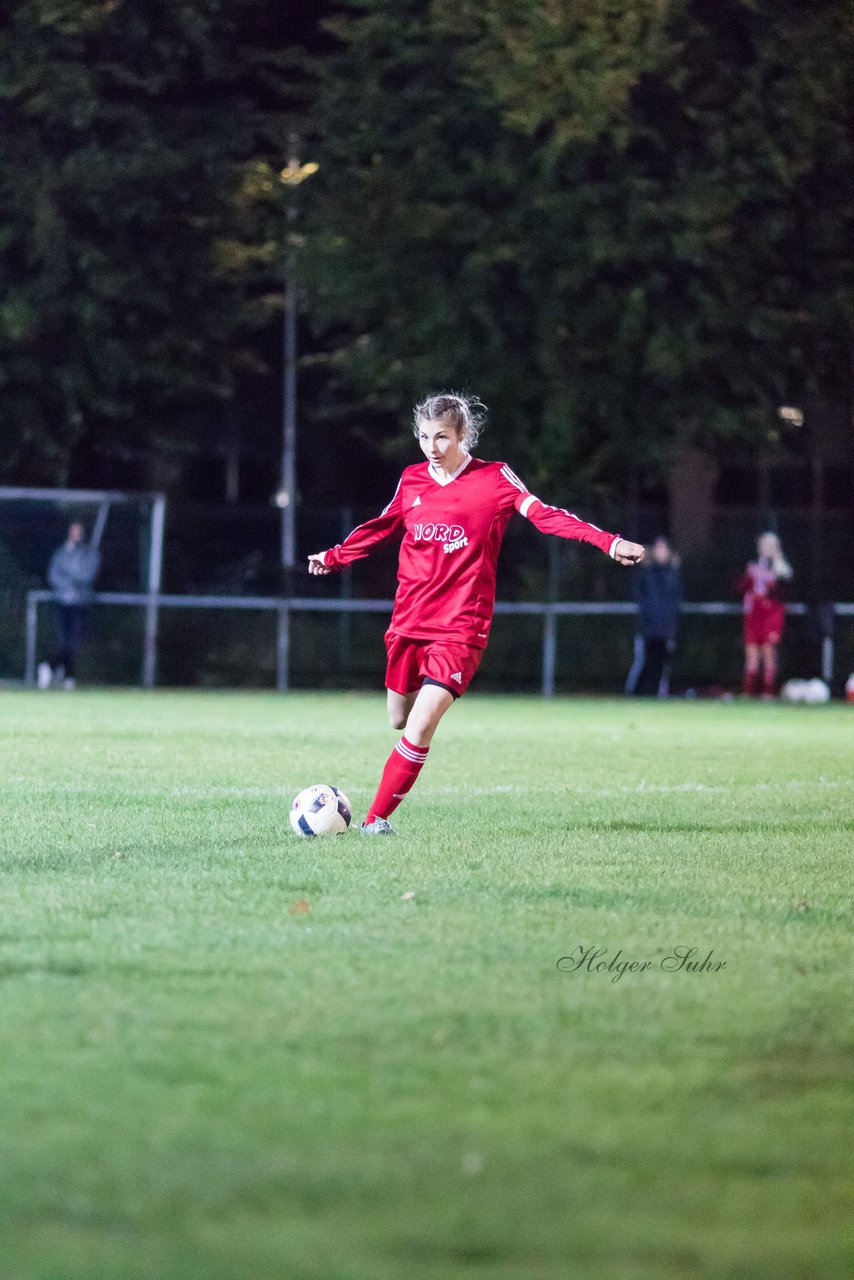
(316, 565)
(627, 552)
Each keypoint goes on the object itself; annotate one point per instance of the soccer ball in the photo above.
(794, 691)
(816, 691)
(810, 691)
(320, 811)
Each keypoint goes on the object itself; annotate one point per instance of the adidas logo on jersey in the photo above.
(417, 502)
(458, 676)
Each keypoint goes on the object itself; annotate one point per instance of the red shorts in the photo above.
(444, 662)
(763, 622)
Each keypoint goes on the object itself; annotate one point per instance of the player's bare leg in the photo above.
(769, 670)
(751, 669)
(399, 706)
(407, 759)
(431, 703)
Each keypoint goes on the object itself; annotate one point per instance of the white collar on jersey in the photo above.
(442, 477)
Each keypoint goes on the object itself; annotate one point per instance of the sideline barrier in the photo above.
(285, 606)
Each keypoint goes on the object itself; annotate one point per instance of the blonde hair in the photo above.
(782, 568)
(466, 414)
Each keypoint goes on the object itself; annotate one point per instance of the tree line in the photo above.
(626, 225)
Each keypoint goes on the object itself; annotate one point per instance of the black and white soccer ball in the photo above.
(320, 810)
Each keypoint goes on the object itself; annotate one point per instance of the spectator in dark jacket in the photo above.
(71, 575)
(657, 589)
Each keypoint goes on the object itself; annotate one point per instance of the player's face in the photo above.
(441, 444)
(768, 546)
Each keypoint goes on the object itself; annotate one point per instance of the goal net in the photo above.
(125, 527)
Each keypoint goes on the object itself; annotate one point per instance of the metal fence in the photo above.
(285, 607)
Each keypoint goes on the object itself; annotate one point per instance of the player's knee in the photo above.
(397, 719)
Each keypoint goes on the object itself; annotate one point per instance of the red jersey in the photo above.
(758, 584)
(452, 529)
(764, 610)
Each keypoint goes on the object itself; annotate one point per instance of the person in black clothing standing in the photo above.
(657, 589)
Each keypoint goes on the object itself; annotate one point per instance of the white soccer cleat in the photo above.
(379, 827)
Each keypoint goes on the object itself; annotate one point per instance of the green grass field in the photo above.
(229, 1054)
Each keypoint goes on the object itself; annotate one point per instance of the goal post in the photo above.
(127, 528)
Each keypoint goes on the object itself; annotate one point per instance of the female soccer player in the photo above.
(452, 513)
(763, 586)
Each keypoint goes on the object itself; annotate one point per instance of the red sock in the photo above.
(751, 682)
(401, 769)
(769, 684)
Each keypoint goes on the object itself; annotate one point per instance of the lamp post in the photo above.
(291, 176)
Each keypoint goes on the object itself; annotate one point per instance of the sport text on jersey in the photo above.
(452, 535)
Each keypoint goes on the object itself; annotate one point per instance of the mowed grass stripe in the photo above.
(230, 1052)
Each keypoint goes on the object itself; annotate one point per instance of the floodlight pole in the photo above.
(287, 494)
(292, 175)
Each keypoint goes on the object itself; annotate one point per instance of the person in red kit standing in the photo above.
(452, 512)
(764, 585)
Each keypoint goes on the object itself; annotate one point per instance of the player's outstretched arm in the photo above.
(627, 552)
(361, 541)
(564, 524)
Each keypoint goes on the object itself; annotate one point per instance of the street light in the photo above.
(291, 176)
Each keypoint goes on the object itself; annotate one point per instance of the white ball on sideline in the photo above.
(816, 691)
(794, 691)
(320, 810)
